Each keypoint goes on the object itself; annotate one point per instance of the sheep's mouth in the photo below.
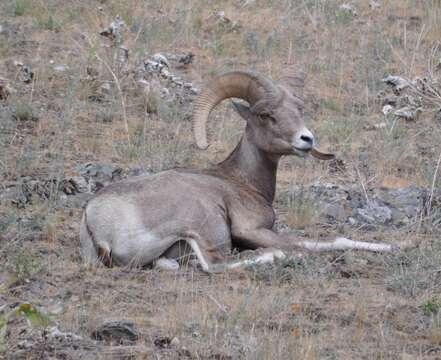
(301, 152)
(315, 153)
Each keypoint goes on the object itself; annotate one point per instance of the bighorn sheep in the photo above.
(146, 219)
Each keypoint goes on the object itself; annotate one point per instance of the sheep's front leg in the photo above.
(267, 238)
(342, 243)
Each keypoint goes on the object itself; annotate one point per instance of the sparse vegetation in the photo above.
(21, 267)
(431, 306)
(85, 104)
(22, 110)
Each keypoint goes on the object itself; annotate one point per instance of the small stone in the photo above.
(408, 113)
(165, 92)
(116, 330)
(374, 213)
(334, 211)
(162, 342)
(397, 82)
(374, 5)
(61, 68)
(186, 59)
(53, 333)
(26, 74)
(161, 59)
(165, 73)
(106, 88)
(389, 100)
(143, 82)
(349, 8)
(56, 309)
(98, 174)
(387, 109)
(175, 342)
(80, 183)
(25, 344)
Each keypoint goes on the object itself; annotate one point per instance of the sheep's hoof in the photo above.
(166, 264)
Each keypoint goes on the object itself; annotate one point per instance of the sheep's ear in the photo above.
(295, 82)
(243, 110)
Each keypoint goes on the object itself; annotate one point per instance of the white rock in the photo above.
(165, 92)
(165, 73)
(175, 342)
(61, 68)
(143, 82)
(408, 113)
(397, 82)
(374, 4)
(80, 183)
(349, 8)
(55, 333)
(161, 59)
(387, 109)
(106, 88)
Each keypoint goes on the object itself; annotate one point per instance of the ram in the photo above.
(207, 212)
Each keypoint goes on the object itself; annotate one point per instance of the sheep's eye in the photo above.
(270, 118)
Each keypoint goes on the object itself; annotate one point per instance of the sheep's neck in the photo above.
(252, 167)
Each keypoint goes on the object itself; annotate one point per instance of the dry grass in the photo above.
(349, 306)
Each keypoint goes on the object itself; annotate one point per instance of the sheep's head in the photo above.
(274, 115)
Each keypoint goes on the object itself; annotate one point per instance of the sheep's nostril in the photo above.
(307, 139)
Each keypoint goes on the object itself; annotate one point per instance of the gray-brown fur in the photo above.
(212, 210)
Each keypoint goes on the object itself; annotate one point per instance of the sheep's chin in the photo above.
(300, 152)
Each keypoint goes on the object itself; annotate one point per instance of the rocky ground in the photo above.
(92, 92)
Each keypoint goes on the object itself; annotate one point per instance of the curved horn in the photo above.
(238, 84)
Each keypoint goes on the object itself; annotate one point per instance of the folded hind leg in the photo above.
(209, 256)
(212, 260)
